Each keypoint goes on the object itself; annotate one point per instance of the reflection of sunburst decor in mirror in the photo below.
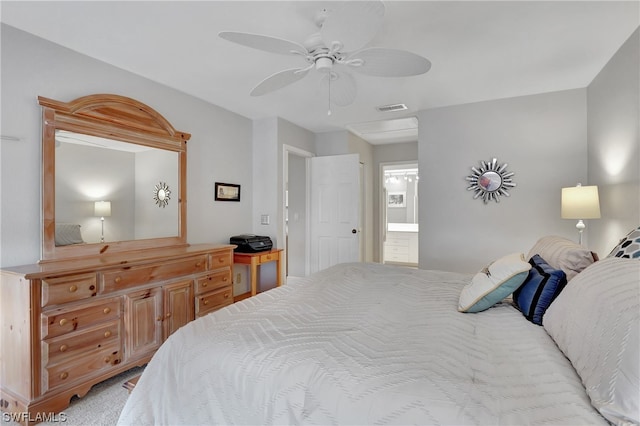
(490, 181)
(161, 194)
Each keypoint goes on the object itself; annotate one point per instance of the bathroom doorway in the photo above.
(399, 213)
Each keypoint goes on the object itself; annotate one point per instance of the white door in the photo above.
(335, 210)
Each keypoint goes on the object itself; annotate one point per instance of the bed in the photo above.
(377, 344)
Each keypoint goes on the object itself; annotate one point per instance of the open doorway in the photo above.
(399, 213)
(296, 215)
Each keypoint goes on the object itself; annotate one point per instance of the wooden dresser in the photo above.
(67, 325)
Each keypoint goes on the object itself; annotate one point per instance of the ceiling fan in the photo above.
(336, 49)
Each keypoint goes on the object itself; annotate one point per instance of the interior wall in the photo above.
(613, 111)
(114, 170)
(542, 138)
(220, 148)
(297, 232)
(152, 220)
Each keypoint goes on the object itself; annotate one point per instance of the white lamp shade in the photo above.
(102, 208)
(580, 202)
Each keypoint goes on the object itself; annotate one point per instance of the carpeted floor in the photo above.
(100, 406)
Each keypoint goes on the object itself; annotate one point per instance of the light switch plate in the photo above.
(265, 219)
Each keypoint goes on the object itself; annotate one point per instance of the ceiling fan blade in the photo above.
(352, 23)
(262, 42)
(381, 62)
(342, 89)
(279, 80)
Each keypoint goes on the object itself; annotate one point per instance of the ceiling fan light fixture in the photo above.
(324, 65)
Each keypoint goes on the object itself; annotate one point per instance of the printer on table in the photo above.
(250, 243)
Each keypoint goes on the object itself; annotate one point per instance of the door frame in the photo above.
(286, 150)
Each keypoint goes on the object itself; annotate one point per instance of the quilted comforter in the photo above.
(360, 344)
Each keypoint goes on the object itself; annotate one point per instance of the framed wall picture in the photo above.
(227, 192)
(397, 199)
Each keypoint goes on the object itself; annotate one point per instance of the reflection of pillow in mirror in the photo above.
(68, 233)
(494, 283)
(564, 254)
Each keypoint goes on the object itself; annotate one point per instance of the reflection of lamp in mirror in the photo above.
(580, 202)
(102, 209)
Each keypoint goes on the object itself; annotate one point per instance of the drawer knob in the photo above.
(221, 260)
(117, 279)
(168, 314)
(204, 284)
(226, 295)
(198, 264)
(107, 360)
(159, 319)
(63, 348)
(64, 375)
(206, 302)
(63, 322)
(106, 310)
(73, 288)
(107, 334)
(225, 279)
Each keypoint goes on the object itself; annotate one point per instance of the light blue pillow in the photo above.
(542, 286)
(493, 283)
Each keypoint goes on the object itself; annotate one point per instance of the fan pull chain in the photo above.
(329, 97)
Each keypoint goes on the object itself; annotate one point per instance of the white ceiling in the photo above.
(479, 51)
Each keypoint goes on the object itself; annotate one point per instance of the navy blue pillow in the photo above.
(542, 286)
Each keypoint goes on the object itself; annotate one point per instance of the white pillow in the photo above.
(564, 254)
(494, 283)
(595, 321)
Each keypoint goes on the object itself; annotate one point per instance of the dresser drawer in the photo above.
(213, 281)
(81, 367)
(396, 249)
(221, 259)
(60, 290)
(67, 346)
(215, 300)
(135, 276)
(61, 321)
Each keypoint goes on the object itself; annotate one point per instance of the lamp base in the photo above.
(580, 226)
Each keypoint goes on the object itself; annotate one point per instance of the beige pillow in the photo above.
(595, 321)
(562, 253)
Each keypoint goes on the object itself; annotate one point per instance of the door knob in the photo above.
(353, 231)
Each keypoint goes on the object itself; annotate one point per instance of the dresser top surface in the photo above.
(106, 261)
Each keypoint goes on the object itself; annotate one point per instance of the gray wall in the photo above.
(220, 148)
(543, 140)
(613, 108)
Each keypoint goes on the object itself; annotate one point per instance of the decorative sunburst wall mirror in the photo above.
(490, 181)
(161, 194)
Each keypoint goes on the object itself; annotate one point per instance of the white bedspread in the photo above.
(360, 344)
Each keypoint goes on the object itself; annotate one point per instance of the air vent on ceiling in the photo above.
(390, 108)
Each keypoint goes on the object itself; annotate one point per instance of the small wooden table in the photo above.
(257, 259)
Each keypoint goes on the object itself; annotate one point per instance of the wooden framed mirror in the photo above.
(103, 156)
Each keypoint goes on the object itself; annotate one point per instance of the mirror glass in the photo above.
(90, 169)
(490, 181)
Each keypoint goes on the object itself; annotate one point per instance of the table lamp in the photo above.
(580, 202)
(102, 209)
